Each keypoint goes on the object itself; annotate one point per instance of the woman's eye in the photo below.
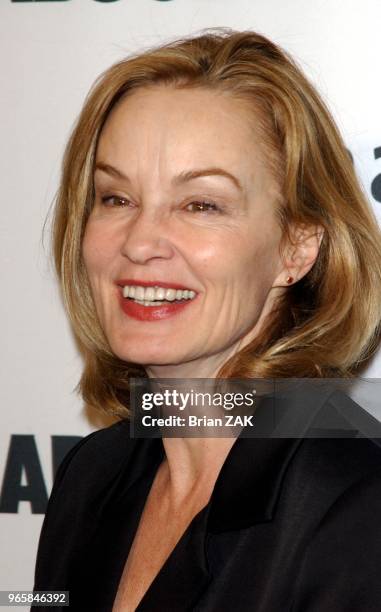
(114, 200)
(203, 207)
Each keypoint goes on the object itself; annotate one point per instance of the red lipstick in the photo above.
(151, 313)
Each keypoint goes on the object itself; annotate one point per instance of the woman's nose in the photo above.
(147, 237)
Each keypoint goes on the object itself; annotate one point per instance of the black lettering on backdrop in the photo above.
(375, 186)
(23, 456)
(23, 459)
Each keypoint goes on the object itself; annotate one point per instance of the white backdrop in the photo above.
(51, 52)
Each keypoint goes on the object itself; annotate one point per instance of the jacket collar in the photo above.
(250, 481)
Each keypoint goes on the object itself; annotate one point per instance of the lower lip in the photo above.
(152, 313)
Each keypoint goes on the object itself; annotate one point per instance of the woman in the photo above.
(210, 166)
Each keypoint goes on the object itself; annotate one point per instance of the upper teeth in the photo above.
(157, 293)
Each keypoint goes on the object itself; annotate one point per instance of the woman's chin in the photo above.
(150, 356)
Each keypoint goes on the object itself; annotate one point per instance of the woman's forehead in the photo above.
(183, 130)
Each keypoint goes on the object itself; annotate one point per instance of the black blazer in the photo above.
(293, 525)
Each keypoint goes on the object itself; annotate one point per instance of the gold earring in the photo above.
(289, 280)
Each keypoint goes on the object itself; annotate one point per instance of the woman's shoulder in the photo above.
(95, 462)
(340, 477)
(341, 564)
(77, 494)
(342, 443)
(111, 442)
(352, 455)
(338, 467)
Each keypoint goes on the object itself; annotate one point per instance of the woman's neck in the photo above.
(191, 467)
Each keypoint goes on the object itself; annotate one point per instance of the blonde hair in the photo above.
(326, 324)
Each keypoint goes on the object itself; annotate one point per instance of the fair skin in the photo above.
(148, 227)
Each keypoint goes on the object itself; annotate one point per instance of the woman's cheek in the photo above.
(97, 247)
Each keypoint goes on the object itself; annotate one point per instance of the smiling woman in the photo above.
(209, 225)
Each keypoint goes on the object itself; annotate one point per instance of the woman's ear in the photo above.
(300, 253)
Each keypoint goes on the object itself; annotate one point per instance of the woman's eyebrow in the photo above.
(189, 175)
(108, 169)
(181, 178)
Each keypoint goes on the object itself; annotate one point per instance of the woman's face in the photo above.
(183, 199)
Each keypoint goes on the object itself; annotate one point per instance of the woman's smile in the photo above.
(153, 300)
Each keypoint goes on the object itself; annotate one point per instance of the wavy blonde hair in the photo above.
(327, 323)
